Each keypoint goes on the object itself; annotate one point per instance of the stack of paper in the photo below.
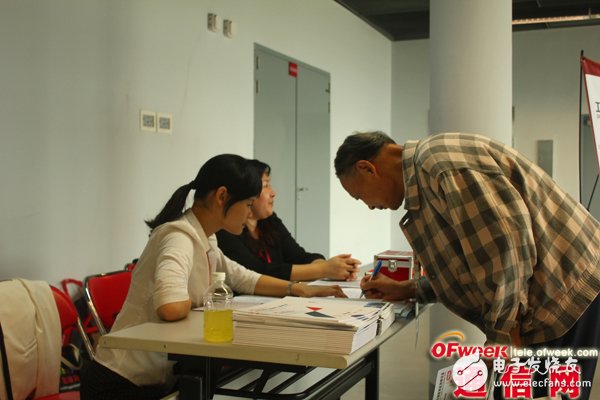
(386, 318)
(311, 324)
(350, 288)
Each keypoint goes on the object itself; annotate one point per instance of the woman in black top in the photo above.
(266, 246)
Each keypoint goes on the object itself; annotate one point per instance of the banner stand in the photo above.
(590, 75)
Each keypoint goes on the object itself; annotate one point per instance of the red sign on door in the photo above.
(293, 69)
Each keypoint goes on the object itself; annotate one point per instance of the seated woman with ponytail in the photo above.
(174, 271)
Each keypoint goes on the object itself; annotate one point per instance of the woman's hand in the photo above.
(341, 267)
(382, 287)
(303, 290)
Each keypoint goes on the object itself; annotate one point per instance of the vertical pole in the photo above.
(372, 379)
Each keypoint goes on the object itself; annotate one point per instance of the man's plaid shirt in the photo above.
(501, 244)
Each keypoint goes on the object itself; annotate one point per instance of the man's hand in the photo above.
(382, 287)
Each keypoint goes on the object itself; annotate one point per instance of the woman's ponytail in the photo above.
(229, 170)
(174, 208)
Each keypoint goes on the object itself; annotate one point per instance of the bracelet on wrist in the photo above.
(289, 287)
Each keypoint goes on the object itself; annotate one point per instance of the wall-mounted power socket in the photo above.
(147, 121)
(229, 28)
(214, 23)
(164, 122)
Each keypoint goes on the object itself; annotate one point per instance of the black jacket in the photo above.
(275, 259)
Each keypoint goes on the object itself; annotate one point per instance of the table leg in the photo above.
(195, 376)
(191, 387)
(372, 378)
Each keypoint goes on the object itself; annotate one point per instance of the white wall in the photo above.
(545, 97)
(410, 107)
(78, 177)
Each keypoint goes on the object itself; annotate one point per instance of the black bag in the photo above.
(72, 364)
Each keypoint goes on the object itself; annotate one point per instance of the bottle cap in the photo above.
(218, 276)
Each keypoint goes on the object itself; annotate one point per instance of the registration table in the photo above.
(183, 341)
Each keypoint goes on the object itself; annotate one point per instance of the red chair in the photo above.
(75, 294)
(105, 294)
(69, 320)
(131, 265)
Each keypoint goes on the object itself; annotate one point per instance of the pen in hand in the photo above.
(373, 275)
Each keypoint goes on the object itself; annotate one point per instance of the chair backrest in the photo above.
(69, 320)
(105, 294)
(131, 265)
(66, 312)
(74, 289)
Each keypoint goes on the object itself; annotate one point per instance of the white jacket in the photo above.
(32, 336)
(176, 265)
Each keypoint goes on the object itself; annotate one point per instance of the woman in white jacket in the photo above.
(174, 271)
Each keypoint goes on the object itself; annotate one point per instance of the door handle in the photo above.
(302, 189)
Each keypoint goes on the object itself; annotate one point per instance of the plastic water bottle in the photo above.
(218, 312)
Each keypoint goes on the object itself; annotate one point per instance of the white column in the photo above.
(471, 67)
(471, 91)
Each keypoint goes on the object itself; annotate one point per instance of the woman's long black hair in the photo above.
(234, 172)
(266, 229)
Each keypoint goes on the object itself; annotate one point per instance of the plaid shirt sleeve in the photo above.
(424, 292)
(493, 225)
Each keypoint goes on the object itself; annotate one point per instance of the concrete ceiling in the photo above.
(409, 19)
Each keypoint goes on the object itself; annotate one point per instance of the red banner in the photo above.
(591, 76)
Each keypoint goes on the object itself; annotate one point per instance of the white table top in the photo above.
(186, 337)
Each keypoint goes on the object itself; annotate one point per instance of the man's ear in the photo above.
(365, 167)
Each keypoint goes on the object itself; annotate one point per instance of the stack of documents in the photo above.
(350, 288)
(386, 318)
(312, 324)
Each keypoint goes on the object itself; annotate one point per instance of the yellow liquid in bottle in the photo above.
(218, 326)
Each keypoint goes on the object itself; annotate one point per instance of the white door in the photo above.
(291, 134)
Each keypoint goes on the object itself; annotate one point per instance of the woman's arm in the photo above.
(310, 266)
(269, 286)
(341, 267)
(173, 268)
(174, 311)
(291, 251)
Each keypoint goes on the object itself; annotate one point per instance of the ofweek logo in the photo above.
(511, 376)
(449, 349)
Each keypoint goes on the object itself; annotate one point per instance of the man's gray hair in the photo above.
(359, 146)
